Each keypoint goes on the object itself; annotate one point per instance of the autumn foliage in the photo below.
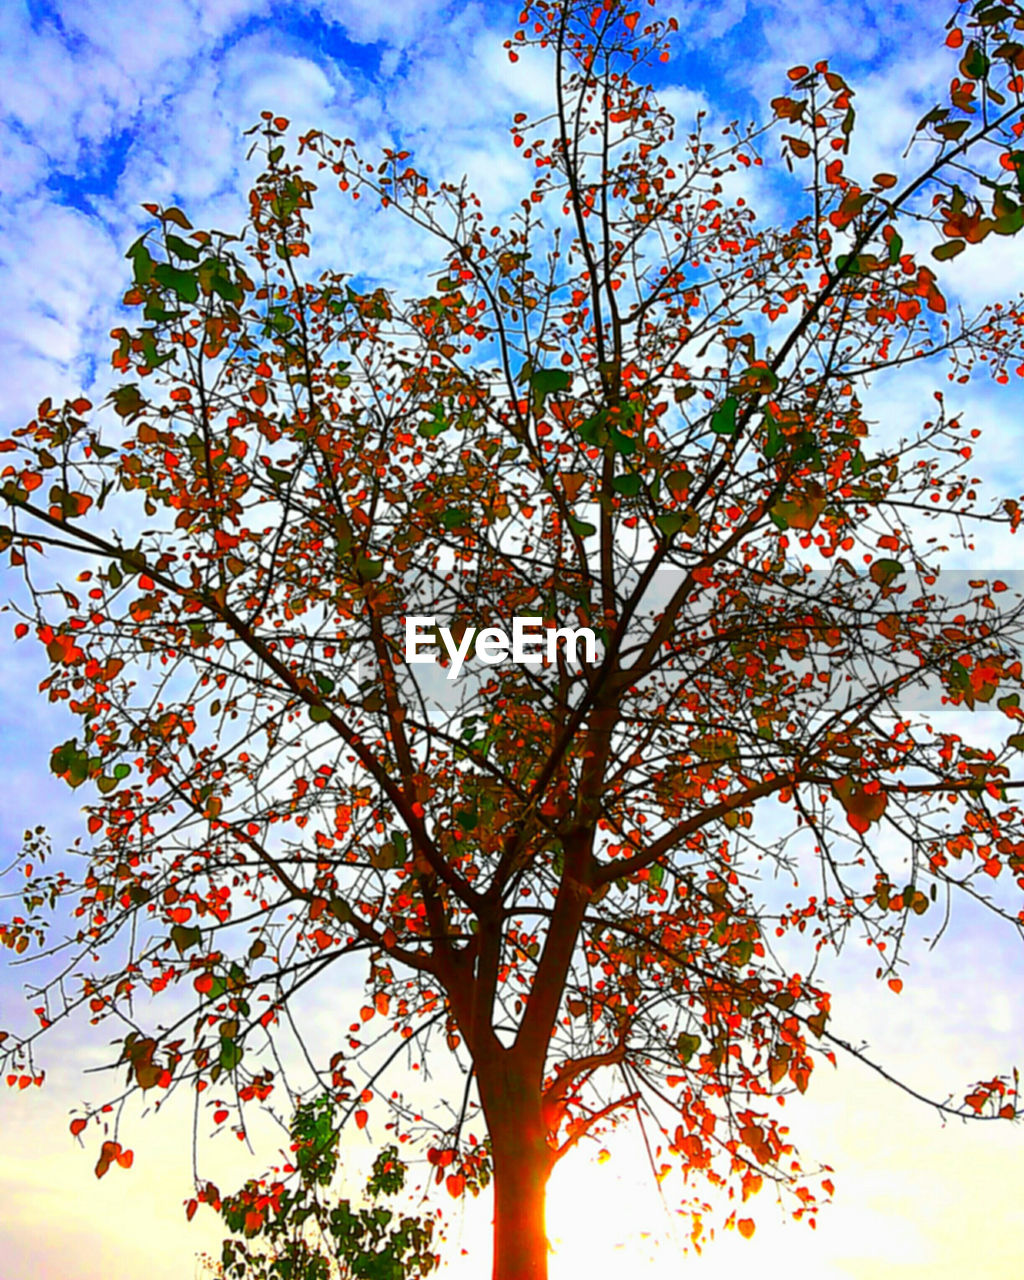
(634, 407)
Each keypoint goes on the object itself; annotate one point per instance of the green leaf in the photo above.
(670, 522)
(279, 321)
(340, 909)
(591, 428)
(623, 444)
(436, 424)
(759, 378)
(950, 249)
(214, 277)
(456, 517)
(629, 485)
(774, 438)
(183, 284)
(319, 714)
(850, 264)
(154, 311)
(975, 64)
(687, 1046)
(723, 420)
(895, 247)
(142, 262)
(544, 382)
(1009, 223)
(182, 248)
(369, 569)
(185, 936)
(582, 528)
(230, 1054)
(324, 683)
(467, 818)
(883, 572)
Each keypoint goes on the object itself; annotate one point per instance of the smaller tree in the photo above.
(286, 1226)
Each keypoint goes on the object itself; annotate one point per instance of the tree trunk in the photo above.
(522, 1165)
(510, 1091)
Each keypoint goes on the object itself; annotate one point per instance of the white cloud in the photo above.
(63, 276)
(399, 22)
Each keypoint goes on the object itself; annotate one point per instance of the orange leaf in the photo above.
(746, 1227)
(455, 1182)
(361, 1119)
(896, 984)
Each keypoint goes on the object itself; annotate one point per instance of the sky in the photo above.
(109, 104)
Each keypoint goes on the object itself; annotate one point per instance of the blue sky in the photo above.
(107, 104)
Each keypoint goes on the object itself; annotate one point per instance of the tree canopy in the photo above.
(633, 409)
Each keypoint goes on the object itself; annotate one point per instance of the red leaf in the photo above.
(361, 1119)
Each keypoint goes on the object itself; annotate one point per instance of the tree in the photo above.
(634, 410)
(287, 1234)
